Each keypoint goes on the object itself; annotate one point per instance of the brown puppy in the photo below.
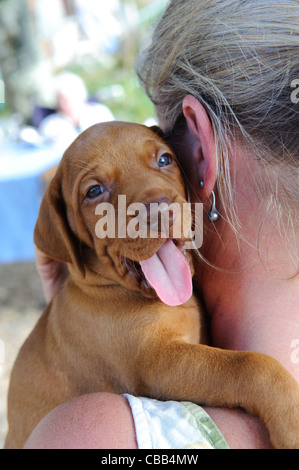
(107, 328)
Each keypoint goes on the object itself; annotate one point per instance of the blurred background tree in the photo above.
(19, 55)
(98, 40)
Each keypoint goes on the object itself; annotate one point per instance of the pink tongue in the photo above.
(169, 274)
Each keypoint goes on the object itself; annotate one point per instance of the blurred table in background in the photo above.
(22, 167)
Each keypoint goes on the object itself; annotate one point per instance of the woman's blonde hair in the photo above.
(239, 58)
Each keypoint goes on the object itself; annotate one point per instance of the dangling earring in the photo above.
(213, 214)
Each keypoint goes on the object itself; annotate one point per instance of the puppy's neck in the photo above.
(100, 292)
(106, 269)
(96, 283)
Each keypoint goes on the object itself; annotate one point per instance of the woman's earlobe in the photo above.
(213, 214)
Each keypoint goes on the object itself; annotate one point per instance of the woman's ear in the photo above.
(204, 154)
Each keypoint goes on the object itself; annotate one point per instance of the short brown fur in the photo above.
(105, 329)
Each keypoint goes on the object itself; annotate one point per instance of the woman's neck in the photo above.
(253, 306)
(263, 318)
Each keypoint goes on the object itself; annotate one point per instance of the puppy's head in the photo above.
(96, 213)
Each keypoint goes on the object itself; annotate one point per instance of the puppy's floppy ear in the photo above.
(52, 233)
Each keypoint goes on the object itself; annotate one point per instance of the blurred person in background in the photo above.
(74, 112)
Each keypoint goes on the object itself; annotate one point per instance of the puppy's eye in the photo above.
(164, 160)
(95, 191)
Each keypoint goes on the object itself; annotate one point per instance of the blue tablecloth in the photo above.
(21, 191)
